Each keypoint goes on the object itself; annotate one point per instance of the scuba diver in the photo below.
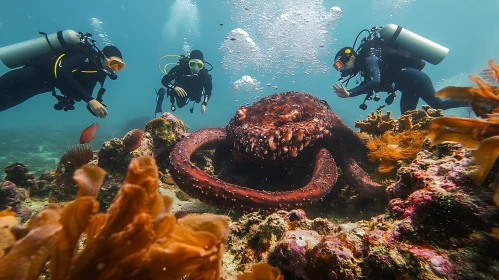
(68, 61)
(187, 81)
(389, 59)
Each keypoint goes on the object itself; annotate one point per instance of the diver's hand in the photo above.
(340, 90)
(203, 109)
(180, 91)
(97, 107)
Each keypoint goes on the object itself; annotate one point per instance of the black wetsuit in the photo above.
(387, 74)
(74, 75)
(192, 84)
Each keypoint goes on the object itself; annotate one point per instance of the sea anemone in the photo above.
(74, 157)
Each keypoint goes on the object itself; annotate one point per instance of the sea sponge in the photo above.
(138, 238)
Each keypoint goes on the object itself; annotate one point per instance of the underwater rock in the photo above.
(164, 132)
(114, 157)
(290, 253)
(12, 197)
(43, 185)
(435, 191)
(255, 235)
(19, 174)
(437, 226)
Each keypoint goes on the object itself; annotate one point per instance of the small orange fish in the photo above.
(88, 134)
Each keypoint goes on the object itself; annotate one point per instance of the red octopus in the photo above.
(276, 130)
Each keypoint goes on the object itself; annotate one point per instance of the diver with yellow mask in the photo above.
(68, 61)
(187, 81)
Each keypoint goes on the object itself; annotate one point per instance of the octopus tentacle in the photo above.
(207, 188)
(359, 179)
(350, 150)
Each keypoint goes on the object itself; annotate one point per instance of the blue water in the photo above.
(147, 30)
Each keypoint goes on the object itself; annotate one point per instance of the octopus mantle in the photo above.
(273, 131)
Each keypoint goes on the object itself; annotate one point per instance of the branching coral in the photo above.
(138, 238)
(392, 150)
(377, 124)
(395, 142)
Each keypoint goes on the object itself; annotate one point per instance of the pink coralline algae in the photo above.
(437, 226)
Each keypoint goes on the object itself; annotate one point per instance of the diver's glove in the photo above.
(98, 109)
(180, 91)
(203, 107)
(340, 90)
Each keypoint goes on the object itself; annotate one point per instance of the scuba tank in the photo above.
(400, 48)
(21, 53)
(415, 44)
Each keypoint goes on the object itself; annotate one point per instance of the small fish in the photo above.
(132, 140)
(88, 134)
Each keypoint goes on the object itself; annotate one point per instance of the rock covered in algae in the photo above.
(19, 174)
(165, 131)
(438, 226)
(13, 197)
(115, 157)
(161, 134)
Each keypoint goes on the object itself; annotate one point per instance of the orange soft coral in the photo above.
(261, 271)
(138, 238)
(7, 221)
(484, 98)
(393, 149)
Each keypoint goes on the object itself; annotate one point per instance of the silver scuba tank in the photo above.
(19, 54)
(414, 43)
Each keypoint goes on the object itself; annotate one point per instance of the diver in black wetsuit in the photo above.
(192, 82)
(74, 74)
(386, 71)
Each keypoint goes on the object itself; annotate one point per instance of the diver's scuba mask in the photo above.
(115, 63)
(342, 58)
(196, 65)
(338, 65)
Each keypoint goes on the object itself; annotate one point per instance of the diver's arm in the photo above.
(170, 76)
(208, 86)
(68, 83)
(372, 74)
